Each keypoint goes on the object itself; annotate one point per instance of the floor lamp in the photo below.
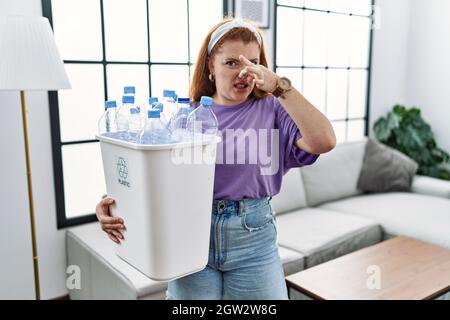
(29, 60)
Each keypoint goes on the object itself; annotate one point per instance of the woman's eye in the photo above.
(231, 63)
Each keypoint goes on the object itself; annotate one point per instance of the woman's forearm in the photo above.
(317, 132)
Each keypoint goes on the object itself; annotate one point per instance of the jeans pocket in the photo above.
(254, 220)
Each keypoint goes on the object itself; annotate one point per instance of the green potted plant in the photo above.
(405, 130)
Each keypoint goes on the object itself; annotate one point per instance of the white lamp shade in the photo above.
(29, 58)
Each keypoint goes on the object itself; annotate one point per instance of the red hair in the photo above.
(201, 85)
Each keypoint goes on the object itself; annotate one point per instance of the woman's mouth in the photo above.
(241, 86)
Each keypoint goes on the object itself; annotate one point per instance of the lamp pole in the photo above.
(30, 195)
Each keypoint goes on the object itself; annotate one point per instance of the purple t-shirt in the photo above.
(257, 149)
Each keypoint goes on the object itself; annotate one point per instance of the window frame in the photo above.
(366, 118)
(57, 143)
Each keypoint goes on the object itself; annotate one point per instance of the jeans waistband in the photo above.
(239, 205)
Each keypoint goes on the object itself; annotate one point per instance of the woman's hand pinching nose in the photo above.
(263, 78)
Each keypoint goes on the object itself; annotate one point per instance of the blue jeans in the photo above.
(243, 256)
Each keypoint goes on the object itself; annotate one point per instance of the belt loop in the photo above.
(220, 206)
(241, 207)
(268, 200)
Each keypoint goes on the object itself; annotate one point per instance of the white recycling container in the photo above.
(164, 193)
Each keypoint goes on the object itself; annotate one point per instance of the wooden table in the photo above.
(399, 268)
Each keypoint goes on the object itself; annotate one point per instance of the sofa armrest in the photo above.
(431, 186)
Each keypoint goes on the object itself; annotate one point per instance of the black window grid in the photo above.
(347, 119)
(57, 144)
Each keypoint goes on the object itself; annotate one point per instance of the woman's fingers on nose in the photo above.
(245, 60)
(243, 72)
(254, 71)
(258, 82)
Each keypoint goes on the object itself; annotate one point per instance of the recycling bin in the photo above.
(164, 193)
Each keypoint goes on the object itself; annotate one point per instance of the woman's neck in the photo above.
(225, 102)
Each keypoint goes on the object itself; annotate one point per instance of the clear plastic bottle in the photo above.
(154, 132)
(177, 125)
(131, 92)
(152, 102)
(202, 121)
(184, 103)
(135, 125)
(170, 104)
(107, 124)
(123, 116)
(159, 106)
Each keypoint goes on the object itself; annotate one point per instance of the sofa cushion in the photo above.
(321, 235)
(431, 186)
(418, 216)
(106, 275)
(292, 194)
(385, 169)
(292, 261)
(335, 174)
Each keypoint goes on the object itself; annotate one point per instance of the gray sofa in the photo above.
(320, 215)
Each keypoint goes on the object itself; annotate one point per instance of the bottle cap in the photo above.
(110, 104)
(128, 90)
(168, 93)
(127, 99)
(154, 113)
(183, 100)
(206, 101)
(152, 100)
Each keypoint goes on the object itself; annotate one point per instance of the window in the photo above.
(324, 47)
(105, 45)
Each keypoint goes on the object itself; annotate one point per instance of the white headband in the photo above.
(227, 26)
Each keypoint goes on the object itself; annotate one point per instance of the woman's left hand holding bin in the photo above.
(113, 226)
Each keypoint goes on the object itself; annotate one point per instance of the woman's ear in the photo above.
(210, 65)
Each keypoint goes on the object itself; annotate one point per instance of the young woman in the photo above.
(265, 112)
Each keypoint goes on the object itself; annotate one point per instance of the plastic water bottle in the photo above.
(123, 116)
(152, 102)
(107, 124)
(184, 103)
(135, 125)
(178, 123)
(159, 106)
(154, 132)
(202, 121)
(170, 105)
(131, 92)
